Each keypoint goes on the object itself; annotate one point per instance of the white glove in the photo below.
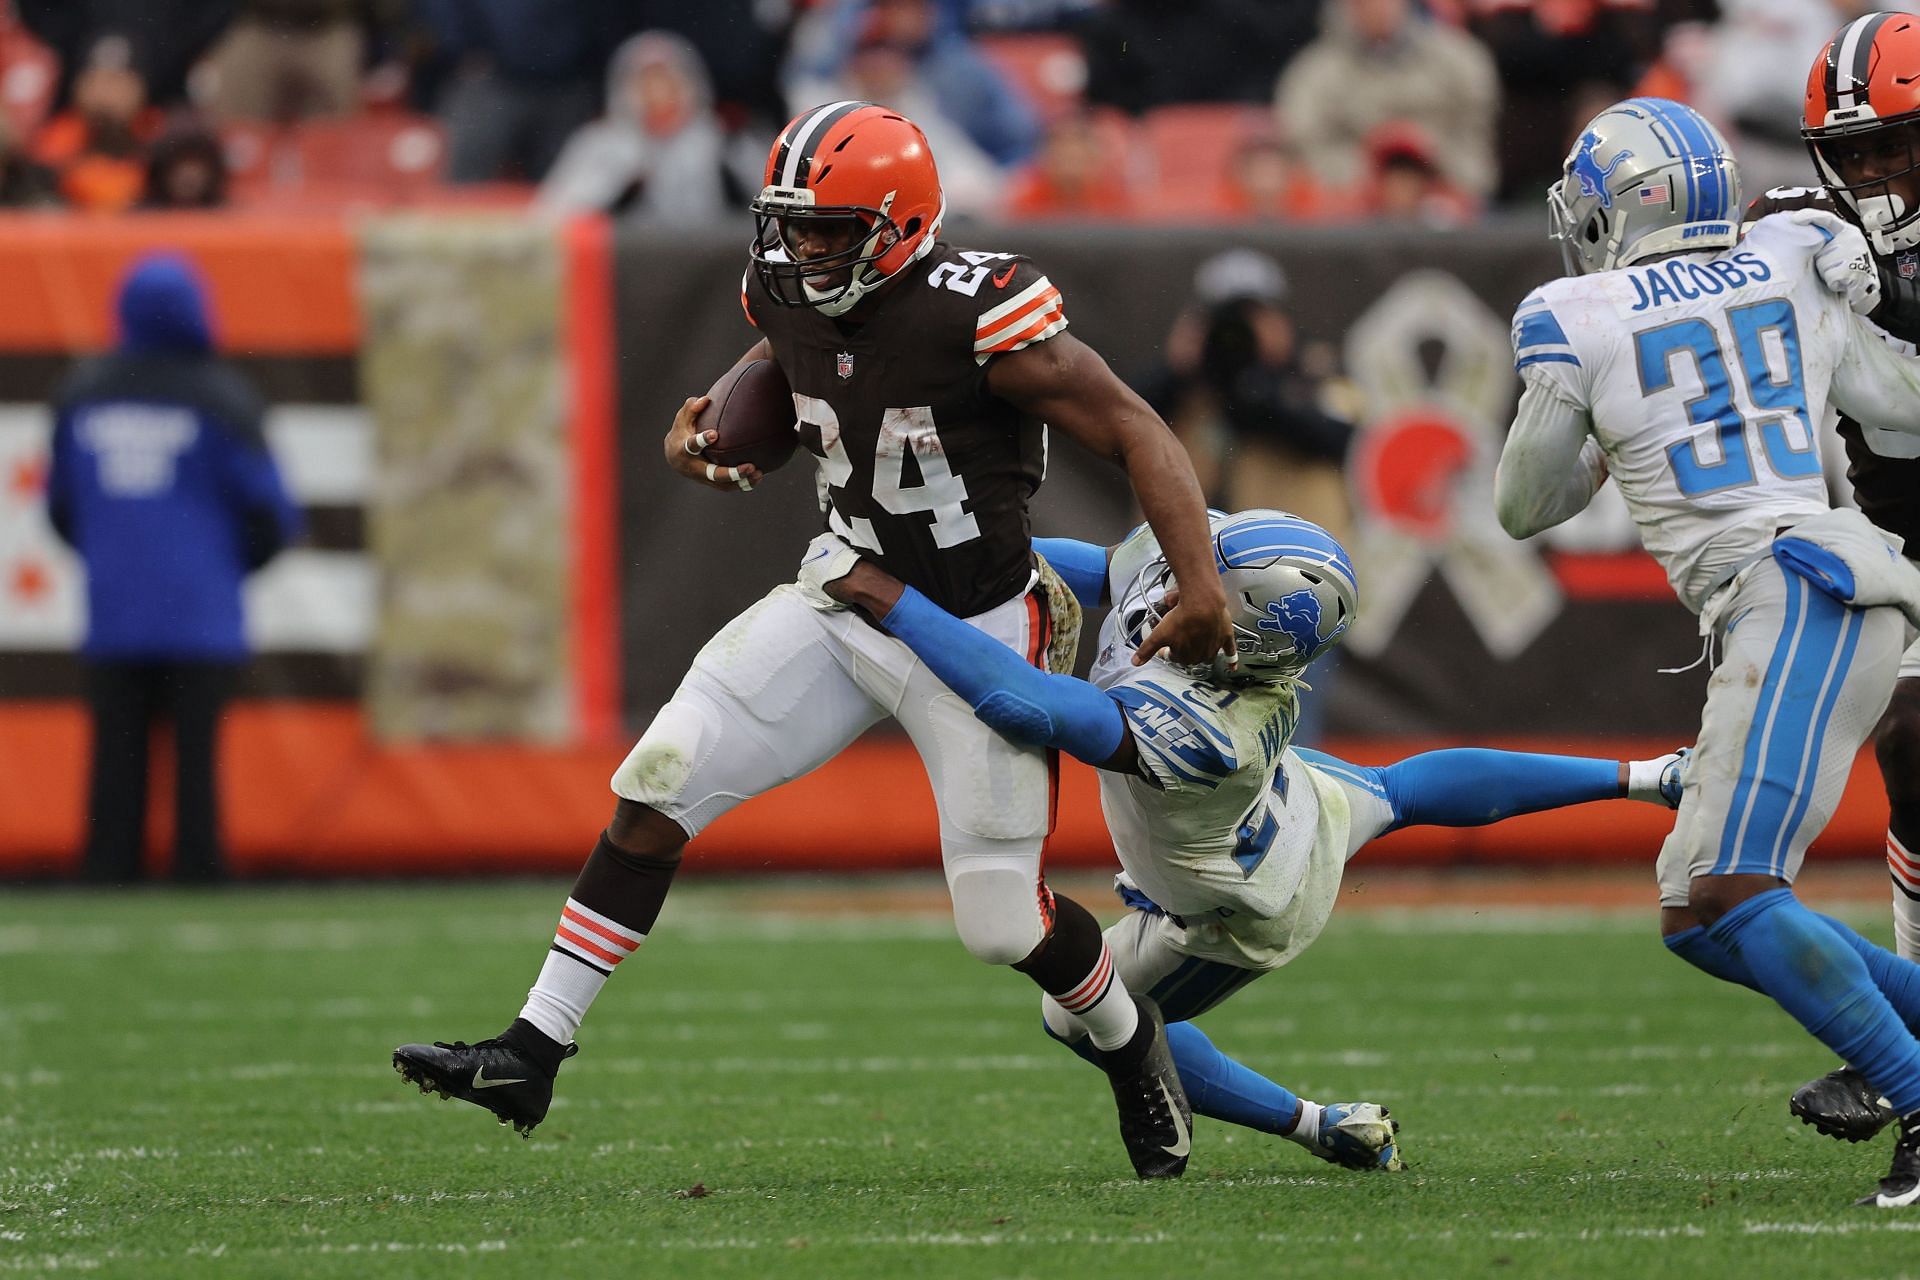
(828, 559)
(1844, 262)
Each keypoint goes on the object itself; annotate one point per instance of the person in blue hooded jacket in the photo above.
(162, 482)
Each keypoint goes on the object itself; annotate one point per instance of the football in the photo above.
(752, 414)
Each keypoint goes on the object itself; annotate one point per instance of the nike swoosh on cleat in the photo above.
(480, 1080)
(1183, 1144)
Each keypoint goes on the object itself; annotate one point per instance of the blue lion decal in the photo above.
(1588, 173)
(1296, 615)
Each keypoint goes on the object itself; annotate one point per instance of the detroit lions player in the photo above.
(1232, 841)
(1692, 367)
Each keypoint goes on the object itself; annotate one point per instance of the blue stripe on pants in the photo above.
(1790, 716)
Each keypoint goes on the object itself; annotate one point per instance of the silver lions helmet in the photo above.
(1647, 176)
(1291, 591)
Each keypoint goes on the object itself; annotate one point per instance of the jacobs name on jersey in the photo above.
(924, 466)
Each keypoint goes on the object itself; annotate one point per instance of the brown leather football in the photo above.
(752, 411)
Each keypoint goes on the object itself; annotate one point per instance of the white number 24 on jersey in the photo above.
(901, 430)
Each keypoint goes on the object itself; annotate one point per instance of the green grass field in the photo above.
(198, 1085)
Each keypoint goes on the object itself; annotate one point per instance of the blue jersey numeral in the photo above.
(1776, 400)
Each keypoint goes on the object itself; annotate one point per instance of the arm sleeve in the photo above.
(1873, 384)
(1023, 703)
(1551, 466)
(1081, 565)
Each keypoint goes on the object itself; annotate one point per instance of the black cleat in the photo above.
(1841, 1104)
(1901, 1187)
(1155, 1121)
(510, 1075)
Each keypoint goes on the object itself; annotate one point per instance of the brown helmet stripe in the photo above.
(797, 147)
(1850, 60)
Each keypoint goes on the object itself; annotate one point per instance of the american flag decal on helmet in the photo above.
(1655, 194)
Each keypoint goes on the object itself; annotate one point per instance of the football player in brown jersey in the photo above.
(924, 380)
(1861, 123)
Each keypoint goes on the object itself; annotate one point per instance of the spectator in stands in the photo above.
(957, 78)
(1378, 61)
(162, 481)
(881, 71)
(525, 75)
(165, 38)
(741, 42)
(1560, 64)
(1143, 54)
(24, 182)
(658, 154)
(186, 169)
(1077, 174)
(1746, 81)
(97, 147)
(294, 59)
(1405, 183)
(1266, 182)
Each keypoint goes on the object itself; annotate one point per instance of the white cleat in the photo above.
(1359, 1135)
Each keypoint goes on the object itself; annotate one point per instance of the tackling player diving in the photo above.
(1232, 841)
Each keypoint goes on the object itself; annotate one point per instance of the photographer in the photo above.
(1245, 404)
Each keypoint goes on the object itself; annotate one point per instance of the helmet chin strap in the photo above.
(1878, 215)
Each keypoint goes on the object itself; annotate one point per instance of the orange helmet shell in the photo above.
(862, 160)
(1867, 75)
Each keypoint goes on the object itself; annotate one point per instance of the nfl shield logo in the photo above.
(1909, 263)
(843, 364)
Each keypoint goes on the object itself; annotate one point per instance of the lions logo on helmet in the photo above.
(1647, 177)
(1291, 591)
(1588, 173)
(1297, 616)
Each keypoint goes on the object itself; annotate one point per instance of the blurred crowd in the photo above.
(1278, 110)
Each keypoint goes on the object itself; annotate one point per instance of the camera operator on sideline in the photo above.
(1246, 402)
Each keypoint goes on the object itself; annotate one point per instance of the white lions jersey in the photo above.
(1223, 818)
(1705, 376)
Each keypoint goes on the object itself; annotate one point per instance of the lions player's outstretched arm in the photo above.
(1022, 703)
(1081, 565)
(1551, 465)
(1064, 383)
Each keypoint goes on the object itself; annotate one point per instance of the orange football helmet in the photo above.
(1860, 118)
(858, 173)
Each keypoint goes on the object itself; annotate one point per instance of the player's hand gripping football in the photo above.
(683, 448)
(1194, 630)
(1844, 263)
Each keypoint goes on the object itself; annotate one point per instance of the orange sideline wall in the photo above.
(308, 793)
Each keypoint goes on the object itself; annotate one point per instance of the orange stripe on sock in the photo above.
(1077, 999)
(611, 957)
(617, 939)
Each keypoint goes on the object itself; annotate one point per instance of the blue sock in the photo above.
(1471, 786)
(1223, 1089)
(1898, 980)
(1703, 953)
(1813, 974)
(1216, 1085)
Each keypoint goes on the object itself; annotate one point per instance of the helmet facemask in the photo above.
(869, 235)
(1886, 206)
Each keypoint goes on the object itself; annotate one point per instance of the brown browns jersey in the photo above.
(1886, 488)
(924, 466)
